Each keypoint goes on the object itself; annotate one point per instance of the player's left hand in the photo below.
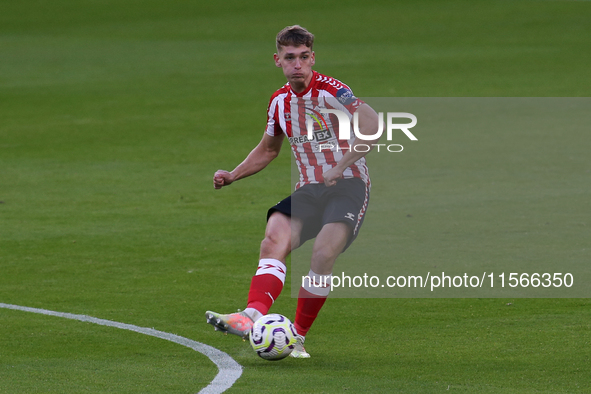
(332, 176)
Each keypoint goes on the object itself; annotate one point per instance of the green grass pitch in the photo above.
(114, 115)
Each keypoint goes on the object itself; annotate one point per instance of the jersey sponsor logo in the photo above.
(322, 135)
(316, 126)
(300, 140)
(326, 146)
(345, 96)
(317, 116)
(318, 136)
(350, 216)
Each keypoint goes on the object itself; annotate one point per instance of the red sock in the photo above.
(308, 307)
(266, 285)
(264, 290)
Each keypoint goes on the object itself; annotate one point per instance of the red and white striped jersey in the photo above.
(288, 113)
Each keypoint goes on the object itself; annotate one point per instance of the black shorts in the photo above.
(317, 205)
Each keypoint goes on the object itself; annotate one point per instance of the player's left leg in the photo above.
(346, 204)
(330, 242)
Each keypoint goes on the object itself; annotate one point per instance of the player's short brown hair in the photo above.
(294, 35)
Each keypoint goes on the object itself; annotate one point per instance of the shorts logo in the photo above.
(350, 216)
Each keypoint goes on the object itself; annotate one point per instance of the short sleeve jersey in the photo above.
(294, 113)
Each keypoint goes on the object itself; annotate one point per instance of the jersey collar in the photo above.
(312, 83)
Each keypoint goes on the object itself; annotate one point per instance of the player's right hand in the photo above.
(222, 178)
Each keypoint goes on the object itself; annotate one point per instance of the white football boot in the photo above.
(298, 350)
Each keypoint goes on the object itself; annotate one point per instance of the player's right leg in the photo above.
(281, 233)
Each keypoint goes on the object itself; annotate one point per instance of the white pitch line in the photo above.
(229, 370)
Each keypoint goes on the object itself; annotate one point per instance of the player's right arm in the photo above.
(259, 158)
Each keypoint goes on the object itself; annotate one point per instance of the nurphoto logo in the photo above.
(345, 129)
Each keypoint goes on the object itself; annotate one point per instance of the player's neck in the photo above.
(302, 86)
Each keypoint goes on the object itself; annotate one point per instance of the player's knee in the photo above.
(295, 240)
(277, 240)
(326, 253)
(268, 244)
(274, 245)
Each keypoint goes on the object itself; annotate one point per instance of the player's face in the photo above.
(296, 63)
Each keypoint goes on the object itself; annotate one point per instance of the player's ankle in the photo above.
(253, 313)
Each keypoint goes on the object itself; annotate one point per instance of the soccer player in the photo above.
(332, 194)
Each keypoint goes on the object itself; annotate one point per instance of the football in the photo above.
(273, 337)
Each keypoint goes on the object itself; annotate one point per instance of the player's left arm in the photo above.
(368, 125)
